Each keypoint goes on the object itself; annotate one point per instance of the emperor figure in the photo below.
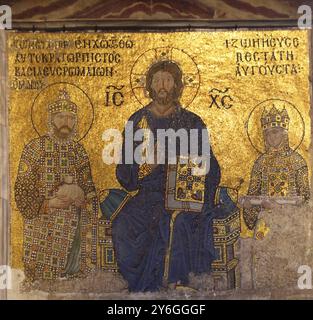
(56, 196)
(280, 172)
(155, 246)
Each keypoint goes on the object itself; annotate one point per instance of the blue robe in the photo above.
(141, 230)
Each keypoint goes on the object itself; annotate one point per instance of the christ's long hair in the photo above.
(174, 70)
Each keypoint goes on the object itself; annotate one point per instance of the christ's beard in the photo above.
(164, 100)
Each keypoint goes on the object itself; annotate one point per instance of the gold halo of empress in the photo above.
(296, 125)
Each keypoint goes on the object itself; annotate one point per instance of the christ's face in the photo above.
(163, 85)
(63, 124)
(275, 136)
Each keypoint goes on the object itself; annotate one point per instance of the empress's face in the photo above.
(275, 136)
(63, 123)
(163, 85)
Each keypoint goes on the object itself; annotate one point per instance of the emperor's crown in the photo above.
(275, 118)
(63, 103)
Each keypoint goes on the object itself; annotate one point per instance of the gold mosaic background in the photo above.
(205, 51)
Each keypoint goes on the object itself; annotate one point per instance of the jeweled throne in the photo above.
(226, 231)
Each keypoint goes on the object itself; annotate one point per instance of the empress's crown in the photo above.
(63, 103)
(275, 118)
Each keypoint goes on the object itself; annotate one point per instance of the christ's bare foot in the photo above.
(172, 286)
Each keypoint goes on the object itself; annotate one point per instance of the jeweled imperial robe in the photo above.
(57, 242)
(141, 230)
(282, 173)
